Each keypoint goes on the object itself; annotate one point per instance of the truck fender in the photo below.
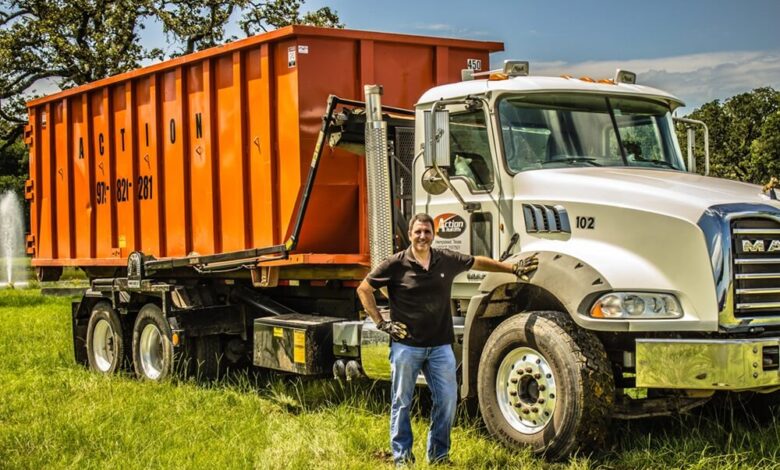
(561, 283)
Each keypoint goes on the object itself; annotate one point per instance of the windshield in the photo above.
(556, 131)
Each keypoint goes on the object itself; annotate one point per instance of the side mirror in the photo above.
(437, 139)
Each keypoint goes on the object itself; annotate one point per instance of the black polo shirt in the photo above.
(421, 298)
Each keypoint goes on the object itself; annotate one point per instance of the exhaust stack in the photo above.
(380, 234)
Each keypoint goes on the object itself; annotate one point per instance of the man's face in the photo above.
(421, 235)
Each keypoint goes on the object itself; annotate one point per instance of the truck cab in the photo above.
(668, 280)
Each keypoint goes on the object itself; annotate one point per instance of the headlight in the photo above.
(623, 305)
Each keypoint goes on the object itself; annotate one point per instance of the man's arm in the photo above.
(522, 268)
(395, 329)
(366, 294)
(483, 263)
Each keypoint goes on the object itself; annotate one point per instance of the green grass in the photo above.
(56, 414)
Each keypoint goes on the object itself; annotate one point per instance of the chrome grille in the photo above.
(756, 248)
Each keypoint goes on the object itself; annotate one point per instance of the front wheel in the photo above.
(152, 346)
(545, 383)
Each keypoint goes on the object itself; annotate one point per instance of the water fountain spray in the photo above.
(11, 239)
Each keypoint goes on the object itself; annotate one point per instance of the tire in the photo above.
(207, 357)
(152, 346)
(107, 340)
(48, 273)
(558, 389)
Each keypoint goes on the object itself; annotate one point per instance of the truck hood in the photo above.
(674, 193)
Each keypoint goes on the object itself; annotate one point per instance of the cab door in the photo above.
(474, 173)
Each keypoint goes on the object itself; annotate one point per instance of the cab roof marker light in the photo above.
(516, 68)
(587, 79)
(624, 76)
(512, 68)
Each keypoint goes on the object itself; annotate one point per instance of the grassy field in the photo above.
(56, 414)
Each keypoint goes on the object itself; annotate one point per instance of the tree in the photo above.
(69, 42)
(200, 24)
(765, 150)
(743, 135)
(277, 13)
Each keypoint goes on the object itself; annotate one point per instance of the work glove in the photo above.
(524, 267)
(395, 329)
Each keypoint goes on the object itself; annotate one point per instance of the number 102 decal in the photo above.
(587, 223)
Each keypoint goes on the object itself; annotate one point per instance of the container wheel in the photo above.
(152, 346)
(107, 341)
(207, 360)
(545, 383)
(48, 273)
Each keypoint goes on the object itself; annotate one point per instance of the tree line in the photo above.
(744, 136)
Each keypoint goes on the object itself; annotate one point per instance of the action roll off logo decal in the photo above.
(449, 225)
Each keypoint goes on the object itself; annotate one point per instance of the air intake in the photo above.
(546, 219)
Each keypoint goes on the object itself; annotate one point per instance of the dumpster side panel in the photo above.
(174, 179)
(123, 148)
(147, 158)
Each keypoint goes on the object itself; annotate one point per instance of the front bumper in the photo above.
(737, 364)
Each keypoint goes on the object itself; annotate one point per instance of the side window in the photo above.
(470, 150)
(482, 234)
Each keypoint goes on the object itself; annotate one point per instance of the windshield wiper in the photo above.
(572, 160)
(662, 163)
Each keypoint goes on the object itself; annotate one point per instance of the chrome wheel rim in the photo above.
(103, 345)
(151, 351)
(526, 390)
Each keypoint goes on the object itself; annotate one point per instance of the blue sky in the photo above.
(696, 49)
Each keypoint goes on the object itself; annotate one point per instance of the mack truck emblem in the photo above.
(759, 246)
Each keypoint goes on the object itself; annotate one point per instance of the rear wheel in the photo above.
(207, 357)
(107, 342)
(152, 346)
(545, 383)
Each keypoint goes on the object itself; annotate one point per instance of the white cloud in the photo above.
(694, 78)
(449, 30)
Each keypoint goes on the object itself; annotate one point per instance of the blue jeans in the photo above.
(438, 365)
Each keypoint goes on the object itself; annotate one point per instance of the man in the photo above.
(419, 282)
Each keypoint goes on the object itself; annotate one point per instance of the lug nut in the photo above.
(542, 388)
(535, 409)
(513, 393)
(540, 401)
(518, 405)
(513, 380)
(537, 376)
(526, 411)
(529, 370)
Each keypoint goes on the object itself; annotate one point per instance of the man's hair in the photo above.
(423, 218)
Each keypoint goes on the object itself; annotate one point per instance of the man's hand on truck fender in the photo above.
(524, 267)
(395, 329)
